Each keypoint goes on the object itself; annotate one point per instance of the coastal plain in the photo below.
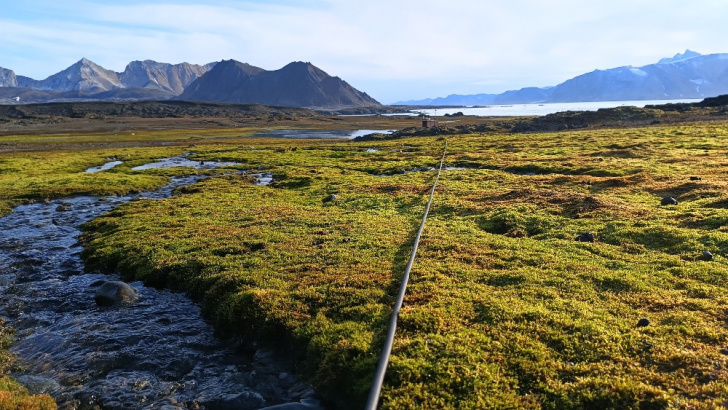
(505, 309)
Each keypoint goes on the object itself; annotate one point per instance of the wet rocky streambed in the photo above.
(156, 352)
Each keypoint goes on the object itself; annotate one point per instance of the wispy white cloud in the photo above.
(396, 49)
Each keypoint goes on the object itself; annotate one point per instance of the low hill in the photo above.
(145, 109)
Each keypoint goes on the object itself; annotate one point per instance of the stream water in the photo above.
(155, 353)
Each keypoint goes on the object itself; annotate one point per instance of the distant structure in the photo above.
(429, 122)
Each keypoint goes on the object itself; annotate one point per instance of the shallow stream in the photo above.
(155, 353)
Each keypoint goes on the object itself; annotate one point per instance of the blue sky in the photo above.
(393, 50)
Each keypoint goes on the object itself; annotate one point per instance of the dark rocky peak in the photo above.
(300, 69)
(233, 66)
(297, 84)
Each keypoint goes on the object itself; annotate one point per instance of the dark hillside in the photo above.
(296, 85)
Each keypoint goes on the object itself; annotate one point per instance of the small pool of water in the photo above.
(104, 167)
(183, 161)
(313, 134)
(263, 178)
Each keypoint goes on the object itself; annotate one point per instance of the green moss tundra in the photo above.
(505, 309)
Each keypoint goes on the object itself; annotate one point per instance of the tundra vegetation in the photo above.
(505, 309)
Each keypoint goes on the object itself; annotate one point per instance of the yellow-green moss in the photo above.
(504, 310)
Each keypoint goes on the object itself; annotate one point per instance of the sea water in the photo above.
(517, 110)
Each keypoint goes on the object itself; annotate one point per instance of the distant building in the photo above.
(429, 122)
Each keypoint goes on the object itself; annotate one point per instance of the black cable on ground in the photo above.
(376, 388)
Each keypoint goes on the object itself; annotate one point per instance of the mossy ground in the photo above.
(504, 308)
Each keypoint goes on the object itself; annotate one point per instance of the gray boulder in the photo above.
(38, 384)
(303, 405)
(115, 292)
(668, 200)
(243, 401)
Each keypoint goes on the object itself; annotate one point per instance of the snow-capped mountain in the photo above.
(684, 76)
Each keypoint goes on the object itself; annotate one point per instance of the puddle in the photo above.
(263, 179)
(153, 353)
(183, 161)
(104, 167)
(407, 171)
(311, 134)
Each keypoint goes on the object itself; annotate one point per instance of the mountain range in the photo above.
(297, 84)
(688, 75)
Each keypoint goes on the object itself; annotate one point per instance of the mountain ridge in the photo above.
(297, 84)
(689, 75)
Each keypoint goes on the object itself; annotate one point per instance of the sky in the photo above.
(393, 50)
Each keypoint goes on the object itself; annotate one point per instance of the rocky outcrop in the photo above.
(7, 78)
